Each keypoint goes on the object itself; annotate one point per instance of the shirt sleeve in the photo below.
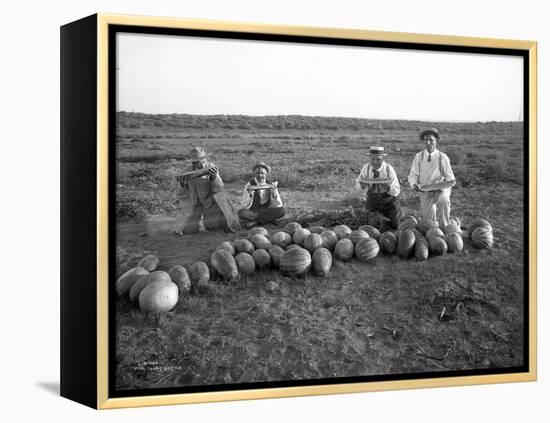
(395, 189)
(276, 199)
(246, 197)
(362, 175)
(413, 174)
(448, 174)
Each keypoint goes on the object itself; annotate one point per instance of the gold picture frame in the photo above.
(94, 32)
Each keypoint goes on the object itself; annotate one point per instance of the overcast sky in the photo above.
(174, 74)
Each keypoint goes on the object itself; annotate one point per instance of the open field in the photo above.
(364, 318)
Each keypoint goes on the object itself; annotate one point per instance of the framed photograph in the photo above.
(261, 211)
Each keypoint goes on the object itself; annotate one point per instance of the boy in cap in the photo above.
(261, 205)
(203, 204)
(431, 166)
(383, 197)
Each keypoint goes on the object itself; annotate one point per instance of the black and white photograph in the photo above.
(295, 212)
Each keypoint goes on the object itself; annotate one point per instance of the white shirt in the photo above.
(247, 196)
(438, 169)
(386, 171)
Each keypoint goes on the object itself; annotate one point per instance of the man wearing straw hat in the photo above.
(203, 203)
(261, 202)
(432, 167)
(380, 180)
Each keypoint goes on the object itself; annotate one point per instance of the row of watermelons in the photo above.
(295, 250)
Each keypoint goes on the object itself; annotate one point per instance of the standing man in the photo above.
(384, 196)
(261, 202)
(431, 166)
(203, 203)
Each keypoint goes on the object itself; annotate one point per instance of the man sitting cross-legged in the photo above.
(261, 202)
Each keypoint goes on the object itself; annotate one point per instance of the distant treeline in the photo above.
(178, 122)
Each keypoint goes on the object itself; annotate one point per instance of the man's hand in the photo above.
(214, 172)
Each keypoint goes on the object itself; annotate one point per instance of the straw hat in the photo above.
(261, 164)
(197, 154)
(377, 151)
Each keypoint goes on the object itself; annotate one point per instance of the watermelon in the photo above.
(321, 261)
(312, 242)
(437, 246)
(425, 225)
(136, 289)
(329, 239)
(300, 236)
(149, 262)
(406, 242)
(295, 262)
(275, 252)
(407, 223)
(292, 246)
(282, 239)
(158, 297)
(371, 230)
(421, 249)
(245, 263)
(292, 227)
(342, 231)
(435, 232)
(224, 263)
(452, 228)
(199, 272)
(410, 217)
(454, 242)
(243, 245)
(474, 225)
(226, 245)
(388, 242)
(344, 249)
(178, 275)
(128, 279)
(482, 237)
(258, 230)
(260, 242)
(418, 234)
(367, 249)
(316, 229)
(261, 258)
(358, 235)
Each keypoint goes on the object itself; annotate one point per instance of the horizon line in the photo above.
(322, 116)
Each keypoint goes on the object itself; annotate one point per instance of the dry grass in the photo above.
(364, 318)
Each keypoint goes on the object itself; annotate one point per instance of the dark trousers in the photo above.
(387, 204)
(212, 218)
(263, 215)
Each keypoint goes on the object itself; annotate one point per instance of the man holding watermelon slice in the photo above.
(432, 177)
(380, 180)
(261, 202)
(203, 203)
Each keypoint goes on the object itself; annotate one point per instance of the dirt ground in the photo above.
(376, 318)
(364, 319)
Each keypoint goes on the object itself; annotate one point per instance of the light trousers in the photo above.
(436, 206)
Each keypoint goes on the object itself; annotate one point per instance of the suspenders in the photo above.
(441, 169)
(374, 187)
